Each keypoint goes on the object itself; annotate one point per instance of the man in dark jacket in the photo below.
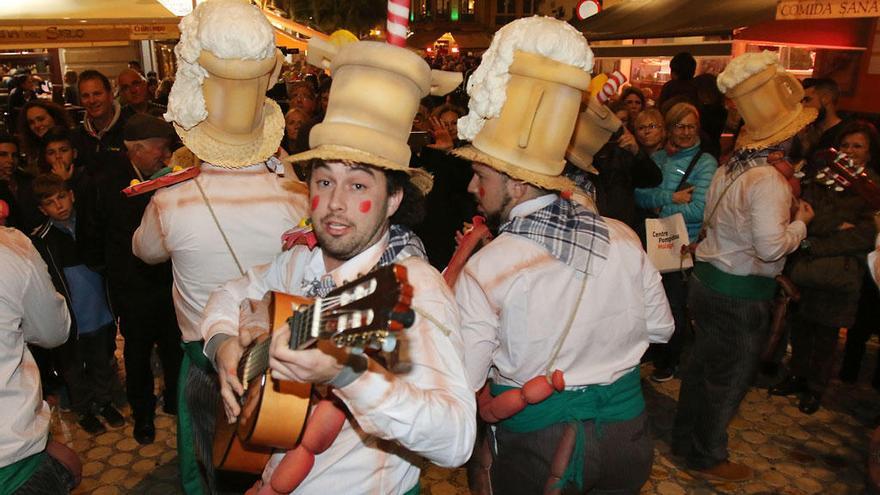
(99, 137)
(140, 293)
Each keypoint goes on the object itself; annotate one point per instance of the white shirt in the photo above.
(874, 261)
(423, 406)
(253, 208)
(31, 312)
(516, 298)
(750, 233)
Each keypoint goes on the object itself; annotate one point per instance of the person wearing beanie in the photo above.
(140, 294)
(538, 300)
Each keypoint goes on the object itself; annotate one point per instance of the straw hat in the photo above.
(529, 138)
(594, 128)
(243, 127)
(374, 97)
(767, 98)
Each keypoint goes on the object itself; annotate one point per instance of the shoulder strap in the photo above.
(720, 197)
(217, 223)
(687, 173)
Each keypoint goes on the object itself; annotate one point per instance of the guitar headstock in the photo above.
(839, 171)
(367, 312)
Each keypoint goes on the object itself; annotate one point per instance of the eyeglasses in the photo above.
(646, 127)
(685, 127)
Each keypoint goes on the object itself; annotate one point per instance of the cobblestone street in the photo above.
(792, 453)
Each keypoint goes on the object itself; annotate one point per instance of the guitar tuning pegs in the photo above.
(389, 343)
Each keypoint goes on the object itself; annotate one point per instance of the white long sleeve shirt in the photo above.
(31, 312)
(750, 233)
(516, 298)
(422, 406)
(252, 207)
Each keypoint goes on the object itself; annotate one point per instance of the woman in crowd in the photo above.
(650, 131)
(860, 141)
(35, 119)
(634, 101)
(687, 173)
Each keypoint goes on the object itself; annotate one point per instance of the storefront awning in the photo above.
(747, 20)
(637, 19)
(14, 12)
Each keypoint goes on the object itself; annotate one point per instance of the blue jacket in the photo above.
(673, 168)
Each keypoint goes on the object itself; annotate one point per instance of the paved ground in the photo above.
(792, 453)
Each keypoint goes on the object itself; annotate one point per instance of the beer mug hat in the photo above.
(767, 98)
(525, 98)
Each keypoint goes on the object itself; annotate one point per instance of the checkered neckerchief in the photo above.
(402, 243)
(744, 159)
(573, 235)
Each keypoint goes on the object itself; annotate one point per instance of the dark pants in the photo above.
(813, 347)
(729, 335)
(667, 355)
(51, 477)
(617, 462)
(86, 371)
(202, 395)
(141, 332)
(867, 322)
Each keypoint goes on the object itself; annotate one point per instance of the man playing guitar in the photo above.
(360, 201)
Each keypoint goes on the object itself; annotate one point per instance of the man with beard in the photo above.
(560, 287)
(363, 196)
(821, 94)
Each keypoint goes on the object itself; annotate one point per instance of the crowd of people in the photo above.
(391, 178)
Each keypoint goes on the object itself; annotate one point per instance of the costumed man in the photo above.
(31, 312)
(749, 230)
(544, 293)
(363, 196)
(232, 215)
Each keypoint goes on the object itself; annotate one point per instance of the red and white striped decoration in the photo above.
(398, 22)
(615, 81)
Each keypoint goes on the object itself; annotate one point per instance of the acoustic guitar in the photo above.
(364, 314)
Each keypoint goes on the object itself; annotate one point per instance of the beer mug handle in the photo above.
(321, 53)
(792, 91)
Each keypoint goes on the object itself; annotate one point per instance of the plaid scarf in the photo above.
(573, 235)
(402, 243)
(744, 159)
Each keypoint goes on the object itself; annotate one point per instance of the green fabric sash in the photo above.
(190, 475)
(751, 287)
(618, 401)
(414, 490)
(15, 474)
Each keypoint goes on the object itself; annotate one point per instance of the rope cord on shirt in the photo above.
(217, 223)
(424, 314)
(561, 340)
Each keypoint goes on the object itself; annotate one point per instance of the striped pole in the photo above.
(398, 22)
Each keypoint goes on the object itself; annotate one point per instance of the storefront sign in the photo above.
(69, 35)
(826, 9)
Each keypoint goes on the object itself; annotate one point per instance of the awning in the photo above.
(463, 39)
(637, 19)
(83, 23)
(748, 20)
